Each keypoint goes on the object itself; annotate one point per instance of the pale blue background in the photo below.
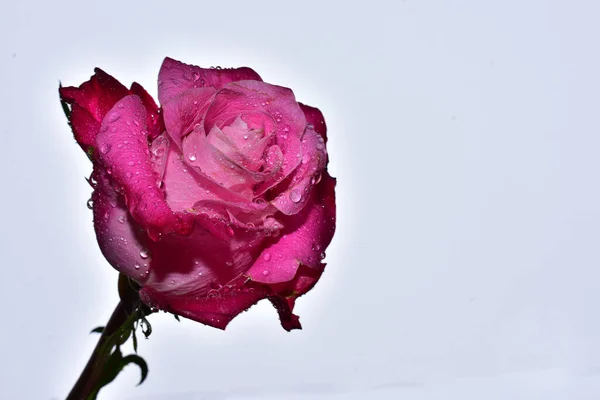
(465, 138)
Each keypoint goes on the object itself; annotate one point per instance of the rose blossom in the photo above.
(215, 200)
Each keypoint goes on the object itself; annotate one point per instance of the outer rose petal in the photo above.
(123, 147)
(90, 103)
(315, 118)
(154, 120)
(305, 236)
(216, 310)
(176, 77)
(297, 189)
(122, 242)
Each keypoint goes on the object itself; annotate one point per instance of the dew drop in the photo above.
(192, 157)
(267, 256)
(295, 195)
(144, 254)
(114, 117)
(105, 148)
(266, 272)
(121, 219)
(113, 129)
(195, 75)
(137, 266)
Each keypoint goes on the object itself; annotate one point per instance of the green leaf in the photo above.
(140, 362)
(98, 329)
(113, 366)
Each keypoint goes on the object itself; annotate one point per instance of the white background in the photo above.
(465, 139)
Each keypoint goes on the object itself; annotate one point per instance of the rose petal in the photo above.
(122, 242)
(154, 120)
(90, 102)
(304, 239)
(185, 110)
(297, 188)
(123, 147)
(216, 310)
(315, 118)
(176, 77)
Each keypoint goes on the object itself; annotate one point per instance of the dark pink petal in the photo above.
(305, 237)
(176, 77)
(297, 188)
(93, 98)
(284, 308)
(123, 148)
(216, 309)
(182, 112)
(85, 126)
(154, 120)
(122, 241)
(216, 252)
(315, 118)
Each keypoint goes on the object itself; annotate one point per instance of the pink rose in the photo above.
(216, 200)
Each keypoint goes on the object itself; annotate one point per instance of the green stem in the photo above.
(92, 372)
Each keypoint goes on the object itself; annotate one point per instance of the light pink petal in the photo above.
(182, 112)
(176, 77)
(240, 144)
(305, 237)
(124, 153)
(201, 155)
(267, 108)
(122, 241)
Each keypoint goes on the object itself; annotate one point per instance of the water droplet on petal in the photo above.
(192, 157)
(114, 117)
(104, 148)
(267, 256)
(266, 272)
(121, 219)
(295, 195)
(195, 75)
(137, 266)
(113, 129)
(144, 254)
(90, 204)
